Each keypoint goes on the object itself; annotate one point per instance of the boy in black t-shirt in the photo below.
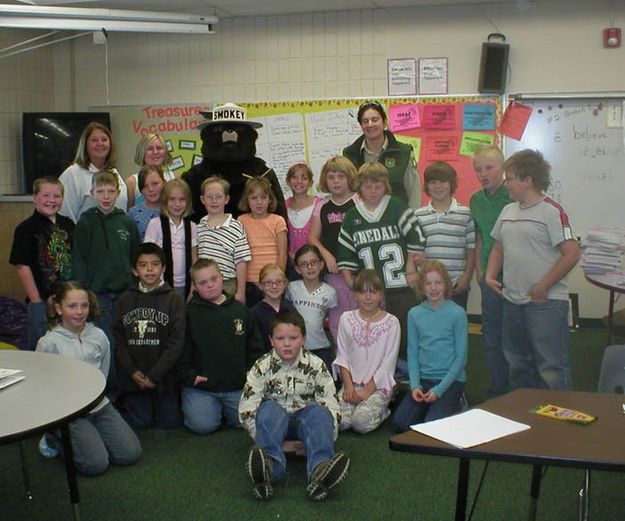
(41, 252)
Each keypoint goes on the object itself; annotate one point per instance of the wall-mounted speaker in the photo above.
(493, 68)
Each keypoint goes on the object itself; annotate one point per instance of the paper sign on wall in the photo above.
(414, 142)
(442, 148)
(402, 77)
(515, 120)
(432, 75)
(478, 117)
(404, 117)
(471, 141)
(439, 117)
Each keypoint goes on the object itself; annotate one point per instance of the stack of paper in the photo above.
(604, 250)
(470, 428)
(9, 377)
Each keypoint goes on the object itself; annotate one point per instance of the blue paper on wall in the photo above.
(478, 117)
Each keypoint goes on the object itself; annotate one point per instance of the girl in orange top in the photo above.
(266, 233)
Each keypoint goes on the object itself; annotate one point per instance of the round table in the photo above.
(56, 389)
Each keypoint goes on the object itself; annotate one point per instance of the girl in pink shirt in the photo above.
(299, 209)
(367, 348)
(266, 233)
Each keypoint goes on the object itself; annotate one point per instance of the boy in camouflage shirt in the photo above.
(289, 394)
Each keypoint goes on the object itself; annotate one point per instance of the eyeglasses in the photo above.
(273, 283)
(308, 264)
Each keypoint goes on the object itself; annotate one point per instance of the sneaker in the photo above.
(327, 475)
(46, 450)
(259, 469)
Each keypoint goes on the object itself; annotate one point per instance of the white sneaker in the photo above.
(46, 450)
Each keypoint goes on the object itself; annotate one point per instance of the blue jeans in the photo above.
(160, 406)
(410, 412)
(492, 320)
(401, 370)
(536, 344)
(312, 425)
(37, 324)
(99, 439)
(203, 410)
(107, 303)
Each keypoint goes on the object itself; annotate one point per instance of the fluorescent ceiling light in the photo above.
(83, 19)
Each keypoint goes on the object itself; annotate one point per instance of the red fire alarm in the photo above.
(612, 37)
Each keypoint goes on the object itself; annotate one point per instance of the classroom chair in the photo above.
(612, 375)
(611, 380)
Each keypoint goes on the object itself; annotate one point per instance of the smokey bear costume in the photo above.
(229, 151)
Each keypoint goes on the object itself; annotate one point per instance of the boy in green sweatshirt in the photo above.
(222, 342)
(104, 241)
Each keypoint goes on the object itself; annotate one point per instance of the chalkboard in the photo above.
(582, 138)
(438, 127)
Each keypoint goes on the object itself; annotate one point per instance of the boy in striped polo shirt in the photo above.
(223, 238)
(448, 229)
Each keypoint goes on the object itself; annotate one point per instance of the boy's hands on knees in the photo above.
(142, 381)
(199, 380)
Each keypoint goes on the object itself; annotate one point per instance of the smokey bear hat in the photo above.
(228, 113)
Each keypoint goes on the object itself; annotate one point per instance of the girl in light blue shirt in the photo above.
(437, 352)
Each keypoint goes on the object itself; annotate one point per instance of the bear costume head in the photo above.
(229, 151)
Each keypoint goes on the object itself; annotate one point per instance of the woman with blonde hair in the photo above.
(151, 151)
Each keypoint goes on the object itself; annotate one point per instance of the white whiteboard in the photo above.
(582, 138)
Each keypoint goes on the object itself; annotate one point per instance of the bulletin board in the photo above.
(583, 140)
(448, 128)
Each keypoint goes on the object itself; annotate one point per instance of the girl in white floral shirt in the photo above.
(367, 348)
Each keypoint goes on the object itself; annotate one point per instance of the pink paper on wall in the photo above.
(442, 148)
(439, 117)
(404, 117)
(515, 120)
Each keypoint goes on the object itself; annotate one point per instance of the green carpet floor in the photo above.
(186, 477)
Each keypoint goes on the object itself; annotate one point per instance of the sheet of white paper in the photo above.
(470, 428)
(10, 380)
(281, 143)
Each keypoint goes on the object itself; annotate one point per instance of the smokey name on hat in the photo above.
(228, 113)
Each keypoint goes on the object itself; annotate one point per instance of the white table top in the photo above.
(56, 388)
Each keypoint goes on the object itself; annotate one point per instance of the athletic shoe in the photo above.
(46, 450)
(259, 469)
(327, 475)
